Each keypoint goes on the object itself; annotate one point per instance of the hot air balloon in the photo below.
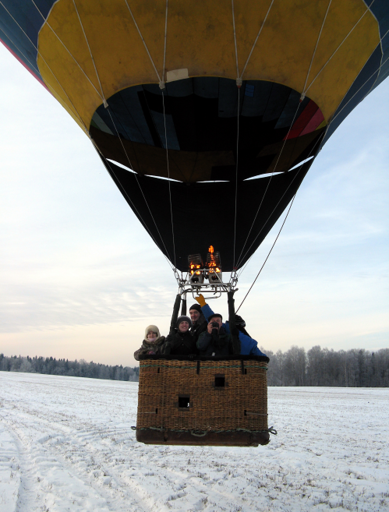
(206, 113)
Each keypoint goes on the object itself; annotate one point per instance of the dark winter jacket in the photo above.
(158, 347)
(199, 327)
(181, 344)
(248, 345)
(215, 345)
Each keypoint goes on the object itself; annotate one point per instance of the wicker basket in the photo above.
(207, 402)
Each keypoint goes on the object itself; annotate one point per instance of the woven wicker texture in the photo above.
(209, 395)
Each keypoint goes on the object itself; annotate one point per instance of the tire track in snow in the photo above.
(44, 480)
(22, 465)
(70, 444)
(92, 462)
(97, 465)
(9, 470)
(172, 486)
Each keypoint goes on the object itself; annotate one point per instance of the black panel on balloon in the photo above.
(204, 214)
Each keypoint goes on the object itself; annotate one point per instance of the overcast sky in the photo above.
(80, 278)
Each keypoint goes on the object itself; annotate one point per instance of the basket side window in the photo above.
(183, 402)
(220, 381)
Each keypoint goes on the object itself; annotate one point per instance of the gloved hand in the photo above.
(200, 299)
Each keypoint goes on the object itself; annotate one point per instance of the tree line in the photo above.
(324, 367)
(52, 366)
(295, 367)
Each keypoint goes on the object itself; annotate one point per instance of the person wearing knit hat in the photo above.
(152, 344)
(184, 319)
(199, 323)
(215, 341)
(197, 307)
(248, 346)
(182, 342)
(151, 333)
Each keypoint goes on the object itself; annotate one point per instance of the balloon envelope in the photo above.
(201, 157)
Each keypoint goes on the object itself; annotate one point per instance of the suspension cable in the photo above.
(332, 120)
(77, 115)
(162, 84)
(161, 80)
(144, 42)
(236, 177)
(137, 180)
(235, 43)
(267, 257)
(340, 45)
(111, 172)
(168, 175)
(256, 39)
(364, 83)
(32, 64)
(162, 87)
(291, 183)
(238, 83)
(91, 55)
(317, 44)
(282, 226)
(290, 127)
(267, 187)
(67, 49)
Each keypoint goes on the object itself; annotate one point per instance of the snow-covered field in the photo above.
(66, 444)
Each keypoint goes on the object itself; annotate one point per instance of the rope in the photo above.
(111, 172)
(267, 187)
(91, 56)
(199, 433)
(32, 64)
(238, 83)
(256, 39)
(236, 175)
(236, 46)
(379, 67)
(49, 68)
(162, 86)
(267, 257)
(341, 44)
(363, 85)
(164, 116)
(313, 148)
(239, 366)
(164, 48)
(144, 43)
(137, 181)
(317, 43)
(168, 175)
(290, 127)
(66, 48)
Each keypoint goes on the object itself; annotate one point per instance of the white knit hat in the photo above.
(152, 328)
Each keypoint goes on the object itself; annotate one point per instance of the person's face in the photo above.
(152, 336)
(184, 326)
(194, 315)
(217, 319)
